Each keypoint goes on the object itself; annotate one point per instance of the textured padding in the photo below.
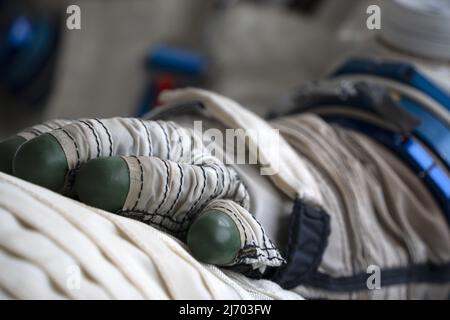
(48, 239)
(280, 163)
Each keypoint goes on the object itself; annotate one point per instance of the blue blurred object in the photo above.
(171, 68)
(433, 132)
(30, 59)
(20, 31)
(28, 44)
(176, 60)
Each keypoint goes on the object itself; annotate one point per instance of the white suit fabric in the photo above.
(380, 214)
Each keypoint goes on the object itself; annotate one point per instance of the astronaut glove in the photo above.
(156, 172)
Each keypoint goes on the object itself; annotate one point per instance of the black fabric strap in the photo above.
(308, 239)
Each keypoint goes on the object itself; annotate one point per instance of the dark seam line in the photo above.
(238, 180)
(172, 227)
(229, 182)
(129, 212)
(191, 149)
(187, 216)
(191, 209)
(167, 186)
(423, 273)
(265, 238)
(76, 147)
(256, 256)
(142, 182)
(172, 124)
(223, 180)
(167, 138)
(109, 137)
(39, 132)
(254, 245)
(95, 136)
(236, 191)
(214, 193)
(179, 190)
(34, 131)
(238, 219)
(264, 247)
(150, 147)
(244, 196)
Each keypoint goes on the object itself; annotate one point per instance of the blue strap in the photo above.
(429, 129)
(402, 72)
(409, 150)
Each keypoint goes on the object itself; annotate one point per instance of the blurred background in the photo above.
(128, 50)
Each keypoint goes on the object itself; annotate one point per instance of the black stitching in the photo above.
(179, 190)
(237, 190)
(109, 137)
(265, 238)
(167, 139)
(256, 256)
(167, 186)
(217, 183)
(34, 131)
(142, 182)
(265, 248)
(214, 194)
(143, 212)
(241, 201)
(95, 135)
(223, 179)
(229, 182)
(238, 219)
(253, 245)
(201, 193)
(176, 129)
(75, 144)
(149, 141)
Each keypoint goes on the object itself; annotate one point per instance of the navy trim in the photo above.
(423, 273)
(308, 239)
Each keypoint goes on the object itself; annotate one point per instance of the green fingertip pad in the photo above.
(214, 238)
(8, 148)
(42, 161)
(104, 183)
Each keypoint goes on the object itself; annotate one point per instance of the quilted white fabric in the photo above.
(52, 247)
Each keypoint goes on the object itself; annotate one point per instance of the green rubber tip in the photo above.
(104, 183)
(42, 161)
(214, 238)
(8, 148)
